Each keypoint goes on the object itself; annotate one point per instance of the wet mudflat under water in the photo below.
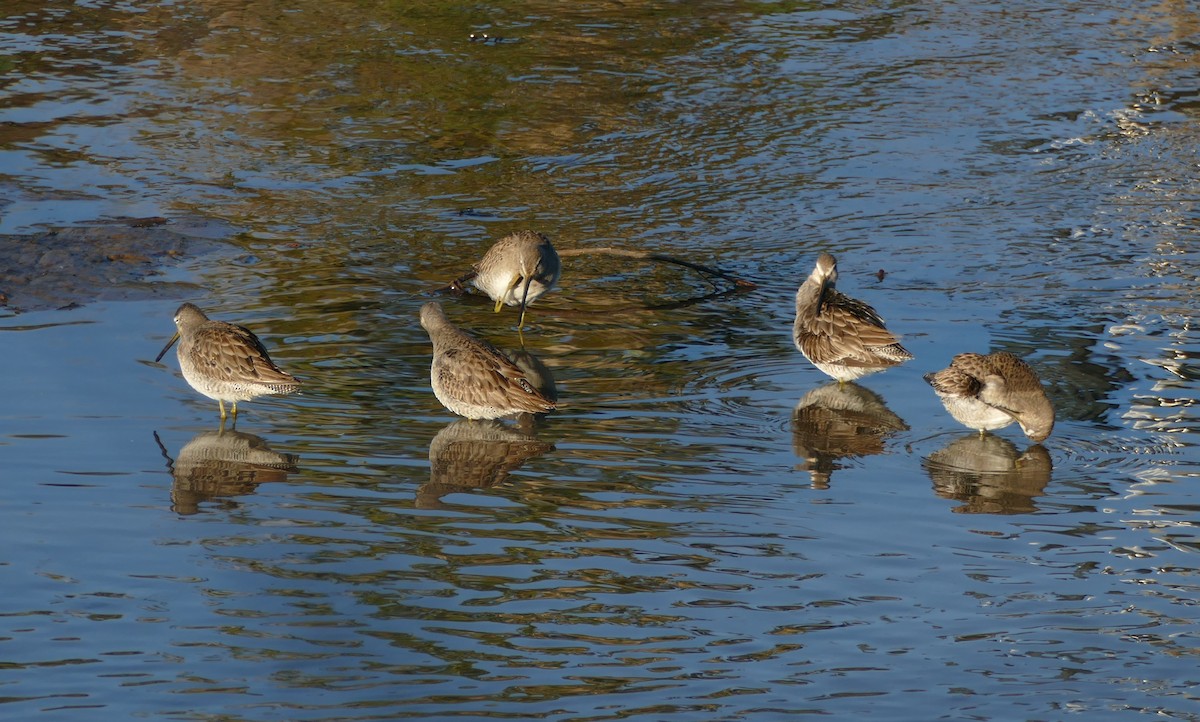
(707, 529)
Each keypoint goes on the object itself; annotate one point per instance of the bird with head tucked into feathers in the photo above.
(991, 391)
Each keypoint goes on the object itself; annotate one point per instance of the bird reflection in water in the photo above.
(838, 421)
(989, 474)
(220, 464)
(469, 454)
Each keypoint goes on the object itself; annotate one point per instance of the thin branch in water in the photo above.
(458, 287)
(662, 258)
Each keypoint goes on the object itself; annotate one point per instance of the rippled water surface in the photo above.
(707, 528)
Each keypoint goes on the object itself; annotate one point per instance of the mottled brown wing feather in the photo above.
(1017, 375)
(492, 380)
(233, 353)
(850, 333)
(955, 382)
(1010, 382)
(853, 308)
(974, 364)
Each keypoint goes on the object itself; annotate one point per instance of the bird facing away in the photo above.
(990, 392)
(842, 337)
(473, 378)
(223, 361)
(518, 270)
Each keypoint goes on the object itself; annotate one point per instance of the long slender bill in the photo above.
(524, 304)
(169, 345)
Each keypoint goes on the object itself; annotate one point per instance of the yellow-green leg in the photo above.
(221, 406)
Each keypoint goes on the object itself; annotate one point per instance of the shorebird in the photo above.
(841, 336)
(518, 270)
(990, 392)
(223, 361)
(473, 378)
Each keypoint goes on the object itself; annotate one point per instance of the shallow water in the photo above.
(706, 529)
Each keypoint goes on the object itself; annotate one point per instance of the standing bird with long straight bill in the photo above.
(518, 270)
(843, 337)
(223, 361)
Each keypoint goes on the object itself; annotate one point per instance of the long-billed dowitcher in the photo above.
(518, 270)
(841, 336)
(223, 361)
(473, 378)
(990, 392)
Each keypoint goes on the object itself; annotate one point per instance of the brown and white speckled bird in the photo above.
(473, 378)
(991, 391)
(223, 361)
(518, 270)
(841, 336)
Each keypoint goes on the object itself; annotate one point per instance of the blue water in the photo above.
(693, 535)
